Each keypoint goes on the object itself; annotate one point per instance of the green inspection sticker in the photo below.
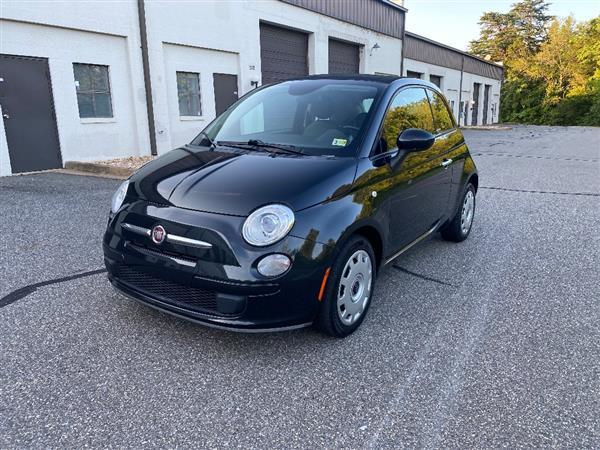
(340, 142)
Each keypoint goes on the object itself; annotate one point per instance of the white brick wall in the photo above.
(205, 37)
(451, 84)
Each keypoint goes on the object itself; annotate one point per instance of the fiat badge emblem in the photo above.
(158, 234)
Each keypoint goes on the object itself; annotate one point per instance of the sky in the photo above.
(455, 22)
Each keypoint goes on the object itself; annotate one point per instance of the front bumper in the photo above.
(219, 287)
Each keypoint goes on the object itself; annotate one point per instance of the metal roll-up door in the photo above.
(283, 53)
(343, 57)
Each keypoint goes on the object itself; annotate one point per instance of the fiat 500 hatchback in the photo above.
(283, 210)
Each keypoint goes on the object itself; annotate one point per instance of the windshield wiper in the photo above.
(235, 144)
(284, 147)
(255, 144)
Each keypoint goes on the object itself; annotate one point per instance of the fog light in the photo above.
(274, 265)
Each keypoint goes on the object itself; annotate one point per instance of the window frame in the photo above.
(93, 93)
(450, 112)
(199, 79)
(372, 154)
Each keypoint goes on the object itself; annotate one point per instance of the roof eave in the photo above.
(394, 5)
(462, 52)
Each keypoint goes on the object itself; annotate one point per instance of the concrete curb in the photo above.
(487, 128)
(98, 169)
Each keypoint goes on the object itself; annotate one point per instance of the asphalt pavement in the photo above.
(494, 342)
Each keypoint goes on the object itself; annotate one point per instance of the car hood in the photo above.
(233, 183)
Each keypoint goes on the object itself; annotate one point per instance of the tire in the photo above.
(459, 228)
(349, 289)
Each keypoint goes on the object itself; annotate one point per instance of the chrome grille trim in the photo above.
(135, 229)
(173, 238)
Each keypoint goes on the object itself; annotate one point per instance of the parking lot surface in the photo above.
(491, 342)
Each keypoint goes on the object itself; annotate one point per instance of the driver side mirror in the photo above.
(415, 140)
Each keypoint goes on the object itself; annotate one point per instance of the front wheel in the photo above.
(349, 289)
(458, 229)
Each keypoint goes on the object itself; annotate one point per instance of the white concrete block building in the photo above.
(88, 81)
(471, 85)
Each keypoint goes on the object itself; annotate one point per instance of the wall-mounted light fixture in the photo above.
(254, 81)
(375, 47)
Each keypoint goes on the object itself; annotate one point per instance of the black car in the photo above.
(283, 210)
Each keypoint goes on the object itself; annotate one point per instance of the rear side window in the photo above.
(441, 116)
(409, 109)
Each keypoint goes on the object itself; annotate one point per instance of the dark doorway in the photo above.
(486, 103)
(475, 108)
(283, 53)
(28, 114)
(226, 91)
(462, 113)
(344, 57)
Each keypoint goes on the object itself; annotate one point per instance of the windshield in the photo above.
(315, 117)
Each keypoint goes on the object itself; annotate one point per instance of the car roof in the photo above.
(384, 79)
(387, 79)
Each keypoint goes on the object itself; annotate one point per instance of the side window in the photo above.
(409, 109)
(441, 116)
(93, 90)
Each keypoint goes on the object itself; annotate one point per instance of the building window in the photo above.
(188, 92)
(93, 90)
(411, 74)
(436, 79)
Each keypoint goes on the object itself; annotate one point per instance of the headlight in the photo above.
(268, 225)
(119, 196)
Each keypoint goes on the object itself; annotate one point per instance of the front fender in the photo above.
(334, 221)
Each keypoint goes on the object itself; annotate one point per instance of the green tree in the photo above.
(588, 38)
(556, 63)
(525, 23)
(530, 21)
(496, 36)
(551, 66)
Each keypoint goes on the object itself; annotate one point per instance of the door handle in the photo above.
(446, 162)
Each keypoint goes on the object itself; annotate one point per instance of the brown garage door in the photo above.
(283, 53)
(343, 57)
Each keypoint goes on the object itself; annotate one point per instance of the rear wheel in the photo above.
(458, 229)
(349, 289)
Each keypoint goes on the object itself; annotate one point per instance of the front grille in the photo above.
(179, 259)
(191, 298)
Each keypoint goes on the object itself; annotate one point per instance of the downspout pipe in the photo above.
(147, 81)
(464, 110)
(403, 45)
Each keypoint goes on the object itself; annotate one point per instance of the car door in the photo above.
(419, 183)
